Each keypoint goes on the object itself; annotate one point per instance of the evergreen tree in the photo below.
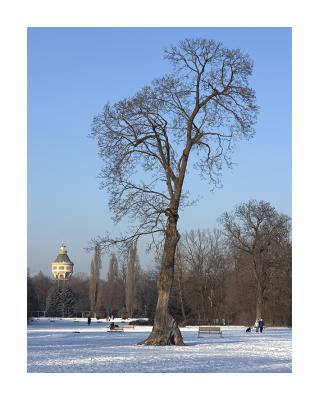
(66, 303)
(60, 302)
(52, 304)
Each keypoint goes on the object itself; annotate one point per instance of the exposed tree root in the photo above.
(168, 335)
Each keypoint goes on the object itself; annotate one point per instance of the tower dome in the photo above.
(62, 266)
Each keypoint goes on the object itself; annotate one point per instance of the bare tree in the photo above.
(132, 281)
(179, 271)
(257, 229)
(80, 285)
(205, 263)
(113, 294)
(240, 294)
(41, 285)
(94, 284)
(146, 142)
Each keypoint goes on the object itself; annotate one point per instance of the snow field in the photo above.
(72, 346)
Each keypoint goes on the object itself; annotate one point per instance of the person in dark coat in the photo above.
(261, 325)
(89, 320)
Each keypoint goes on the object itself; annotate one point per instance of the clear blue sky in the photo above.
(73, 72)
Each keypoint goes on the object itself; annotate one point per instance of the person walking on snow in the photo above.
(257, 325)
(261, 325)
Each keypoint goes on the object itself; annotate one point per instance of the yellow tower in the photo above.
(62, 267)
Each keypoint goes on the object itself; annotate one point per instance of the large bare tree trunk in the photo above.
(165, 330)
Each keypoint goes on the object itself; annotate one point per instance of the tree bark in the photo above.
(165, 329)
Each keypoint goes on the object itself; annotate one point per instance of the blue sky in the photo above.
(73, 72)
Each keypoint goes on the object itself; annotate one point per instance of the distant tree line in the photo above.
(230, 275)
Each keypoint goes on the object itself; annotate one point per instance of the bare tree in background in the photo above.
(205, 263)
(146, 142)
(132, 281)
(41, 284)
(80, 285)
(257, 229)
(179, 272)
(113, 293)
(94, 283)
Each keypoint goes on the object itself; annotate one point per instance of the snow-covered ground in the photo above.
(69, 345)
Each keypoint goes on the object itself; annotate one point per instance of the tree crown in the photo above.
(145, 141)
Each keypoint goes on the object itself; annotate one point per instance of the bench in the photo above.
(128, 326)
(115, 329)
(209, 329)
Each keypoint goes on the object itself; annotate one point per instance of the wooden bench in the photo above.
(209, 329)
(115, 329)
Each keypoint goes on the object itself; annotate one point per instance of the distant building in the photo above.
(62, 267)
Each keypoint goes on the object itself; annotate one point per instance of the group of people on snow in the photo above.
(259, 326)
